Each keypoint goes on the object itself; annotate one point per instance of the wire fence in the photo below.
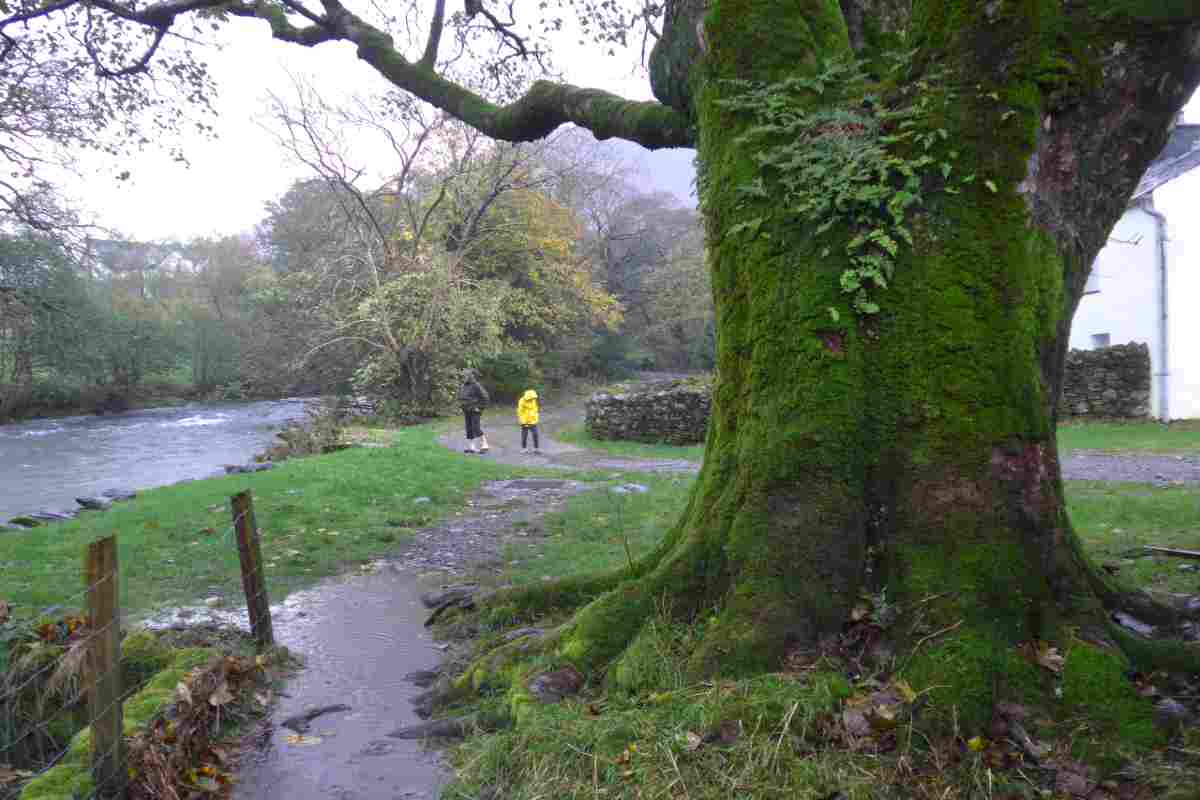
(69, 672)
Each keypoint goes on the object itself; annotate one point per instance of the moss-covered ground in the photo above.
(156, 666)
(820, 727)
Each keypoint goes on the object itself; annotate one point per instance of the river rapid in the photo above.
(45, 464)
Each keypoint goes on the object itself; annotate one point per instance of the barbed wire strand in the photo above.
(68, 706)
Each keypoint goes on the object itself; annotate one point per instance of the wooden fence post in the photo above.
(104, 668)
(254, 582)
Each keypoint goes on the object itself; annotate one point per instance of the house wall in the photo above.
(1125, 306)
(1179, 201)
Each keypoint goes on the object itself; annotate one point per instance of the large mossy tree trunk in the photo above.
(910, 451)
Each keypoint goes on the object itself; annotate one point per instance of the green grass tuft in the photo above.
(1124, 437)
(578, 435)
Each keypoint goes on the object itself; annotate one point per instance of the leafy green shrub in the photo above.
(611, 356)
(509, 373)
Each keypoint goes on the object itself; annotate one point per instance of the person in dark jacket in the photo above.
(473, 398)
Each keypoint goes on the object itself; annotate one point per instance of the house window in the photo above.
(1100, 340)
(1093, 282)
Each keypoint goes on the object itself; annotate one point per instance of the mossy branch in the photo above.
(545, 107)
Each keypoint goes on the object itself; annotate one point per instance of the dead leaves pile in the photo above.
(179, 755)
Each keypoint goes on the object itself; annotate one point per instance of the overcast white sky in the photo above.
(230, 178)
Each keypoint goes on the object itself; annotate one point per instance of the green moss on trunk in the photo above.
(911, 451)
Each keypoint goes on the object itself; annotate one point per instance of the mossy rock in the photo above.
(142, 655)
(71, 777)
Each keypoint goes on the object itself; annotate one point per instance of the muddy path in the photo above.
(362, 633)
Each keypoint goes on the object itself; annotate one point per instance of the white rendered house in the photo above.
(1145, 284)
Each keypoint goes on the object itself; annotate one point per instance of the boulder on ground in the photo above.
(95, 503)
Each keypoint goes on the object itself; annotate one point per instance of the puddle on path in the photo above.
(361, 634)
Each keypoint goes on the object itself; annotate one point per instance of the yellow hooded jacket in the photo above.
(527, 408)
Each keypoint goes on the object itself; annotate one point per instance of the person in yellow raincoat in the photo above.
(527, 416)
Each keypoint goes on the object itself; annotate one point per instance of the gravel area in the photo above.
(1093, 465)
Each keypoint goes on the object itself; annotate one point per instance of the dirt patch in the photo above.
(497, 528)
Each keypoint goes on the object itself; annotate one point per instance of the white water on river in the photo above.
(45, 464)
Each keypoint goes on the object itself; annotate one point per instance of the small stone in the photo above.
(214, 602)
(418, 501)
(1170, 714)
(1073, 783)
(519, 633)
(1133, 623)
(95, 503)
(550, 687)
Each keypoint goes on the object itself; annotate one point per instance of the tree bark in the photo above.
(911, 452)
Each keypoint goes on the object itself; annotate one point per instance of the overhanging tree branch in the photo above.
(429, 59)
(546, 106)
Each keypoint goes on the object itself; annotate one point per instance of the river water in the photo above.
(45, 464)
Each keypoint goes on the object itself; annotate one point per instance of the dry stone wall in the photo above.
(671, 412)
(1105, 383)
(1108, 382)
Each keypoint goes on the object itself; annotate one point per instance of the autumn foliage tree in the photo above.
(902, 200)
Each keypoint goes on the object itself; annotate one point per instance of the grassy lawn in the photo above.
(1182, 437)
(593, 532)
(316, 515)
(1115, 520)
(578, 435)
(1145, 437)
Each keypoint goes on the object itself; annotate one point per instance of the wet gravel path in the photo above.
(1094, 465)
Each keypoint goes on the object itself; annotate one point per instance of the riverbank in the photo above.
(50, 463)
(317, 516)
(103, 400)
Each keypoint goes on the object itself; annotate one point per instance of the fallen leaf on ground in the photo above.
(1050, 658)
(183, 692)
(301, 740)
(906, 691)
(221, 695)
(976, 744)
(692, 741)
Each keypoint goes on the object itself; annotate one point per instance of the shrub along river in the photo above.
(46, 464)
